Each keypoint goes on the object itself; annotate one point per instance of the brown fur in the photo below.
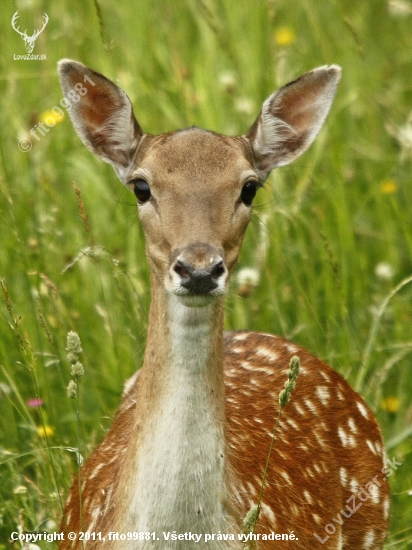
(251, 410)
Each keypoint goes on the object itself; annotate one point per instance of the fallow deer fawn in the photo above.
(188, 445)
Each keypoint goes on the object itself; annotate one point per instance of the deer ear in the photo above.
(291, 118)
(101, 113)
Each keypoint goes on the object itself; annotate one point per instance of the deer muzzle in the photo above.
(198, 270)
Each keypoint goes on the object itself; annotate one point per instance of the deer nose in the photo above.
(200, 271)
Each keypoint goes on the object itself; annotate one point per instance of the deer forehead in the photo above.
(193, 160)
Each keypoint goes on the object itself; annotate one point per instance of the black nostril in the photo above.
(218, 270)
(181, 269)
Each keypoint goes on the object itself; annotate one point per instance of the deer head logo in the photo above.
(29, 41)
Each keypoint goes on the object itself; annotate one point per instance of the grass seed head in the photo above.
(74, 348)
(290, 383)
(72, 390)
(77, 370)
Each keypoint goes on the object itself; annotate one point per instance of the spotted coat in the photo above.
(327, 459)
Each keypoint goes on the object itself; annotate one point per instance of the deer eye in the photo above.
(248, 192)
(142, 190)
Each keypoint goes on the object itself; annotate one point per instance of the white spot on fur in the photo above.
(281, 454)
(316, 518)
(94, 517)
(252, 491)
(309, 473)
(295, 510)
(97, 470)
(286, 477)
(267, 510)
(267, 335)
(343, 476)
(311, 406)
(240, 336)
(371, 446)
(254, 368)
(292, 423)
(323, 394)
(386, 507)
(108, 499)
(318, 438)
(325, 376)
(347, 439)
(317, 467)
(369, 540)
(267, 353)
(374, 493)
(258, 481)
(307, 496)
(299, 409)
(354, 485)
(352, 425)
(343, 436)
(362, 409)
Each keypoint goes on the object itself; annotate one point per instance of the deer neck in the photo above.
(178, 473)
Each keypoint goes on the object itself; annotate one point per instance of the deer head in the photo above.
(214, 177)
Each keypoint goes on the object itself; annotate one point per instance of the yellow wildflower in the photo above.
(53, 117)
(389, 187)
(45, 431)
(285, 36)
(390, 404)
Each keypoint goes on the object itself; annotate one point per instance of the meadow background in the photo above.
(330, 244)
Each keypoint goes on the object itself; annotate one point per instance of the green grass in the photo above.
(321, 226)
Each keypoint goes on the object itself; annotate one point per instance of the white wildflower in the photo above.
(51, 525)
(384, 271)
(248, 276)
(227, 80)
(245, 106)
